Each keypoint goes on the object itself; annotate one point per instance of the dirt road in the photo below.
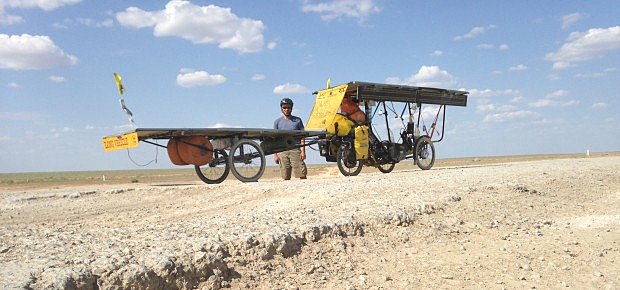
(540, 224)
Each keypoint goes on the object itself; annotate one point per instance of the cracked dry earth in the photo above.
(539, 224)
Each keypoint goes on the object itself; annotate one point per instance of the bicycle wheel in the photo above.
(386, 168)
(247, 160)
(345, 158)
(424, 153)
(216, 170)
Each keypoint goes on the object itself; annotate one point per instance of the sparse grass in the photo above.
(183, 175)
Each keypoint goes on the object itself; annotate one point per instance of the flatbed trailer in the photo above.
(216, 152)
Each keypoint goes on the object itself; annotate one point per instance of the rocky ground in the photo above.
(538, 224)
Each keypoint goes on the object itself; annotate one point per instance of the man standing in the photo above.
(291, 160)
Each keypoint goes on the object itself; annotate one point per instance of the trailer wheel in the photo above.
(216, 170)
(247, 160)
(424, 154)
(345, 158)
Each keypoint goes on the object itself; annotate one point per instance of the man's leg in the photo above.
(285, 165)
(299, 166)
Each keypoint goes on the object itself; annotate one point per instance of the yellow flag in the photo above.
(119, 84)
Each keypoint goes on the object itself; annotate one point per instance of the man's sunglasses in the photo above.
(286, 108)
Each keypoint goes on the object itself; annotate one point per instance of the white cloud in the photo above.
(223, 125)
(604, 73)
(492, 108)
(485, 46)
(504, 47)
(63, 130)
(13, 85)
(258, 77)
(289, 88)
(557, 94)
(83, 21)
(57, 79)
(583, 46)
(554, 99)
(21, 116)
(427, 76)
(339, 9)
(272, 45)
(188, 78)
(474, 32)
(568, 20)
(7, 139)
(199, 24)
(437, 53)
(520, 67)
(553, 77)
(600, 105)
(23, 52)
(46, 5)
(509, 116)
(43, 4)
(9, 19)
(487, 93)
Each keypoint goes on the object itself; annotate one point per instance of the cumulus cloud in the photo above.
(509, 116)
(514, 95)
(583, 46)
(340, 9)
(474, 32)
(520, 67)
(600, 105)
(57, 79)
(46, 5)
(437, 53)
(258, 77)
(199, 24)
(427, 76)
(288, 88)
(568, 20)
(554, 99)
(25, 52)
(21, 116)
(188, 78)
(223, 125)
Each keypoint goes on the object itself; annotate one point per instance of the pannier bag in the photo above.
(361, 142)
(340, 126)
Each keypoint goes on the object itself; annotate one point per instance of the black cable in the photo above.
(148, 163)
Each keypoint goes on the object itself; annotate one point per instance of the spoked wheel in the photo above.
(424, 154)
(247, 160)
(386, 168)
(216, 170)
(347, 164)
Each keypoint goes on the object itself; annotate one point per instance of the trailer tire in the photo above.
(247, 160)
(216, 170)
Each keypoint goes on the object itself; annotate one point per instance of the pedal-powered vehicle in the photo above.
(215, 152)
(357, 114)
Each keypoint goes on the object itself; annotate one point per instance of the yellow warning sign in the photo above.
(129, 140)
(325, 107)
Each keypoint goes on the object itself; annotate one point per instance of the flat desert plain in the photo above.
(474, 223)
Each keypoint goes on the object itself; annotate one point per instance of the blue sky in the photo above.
(543, 76)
